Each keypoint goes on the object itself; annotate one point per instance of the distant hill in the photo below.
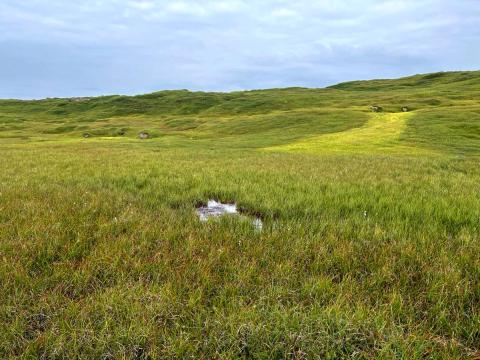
(446, 107)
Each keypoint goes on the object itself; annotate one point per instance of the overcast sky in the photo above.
(53, 48)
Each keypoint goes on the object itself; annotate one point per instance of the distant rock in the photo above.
(86, 135)
(405, 109)
(80, 99)
(144, 135)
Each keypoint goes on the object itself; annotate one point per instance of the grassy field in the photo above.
(371, 239)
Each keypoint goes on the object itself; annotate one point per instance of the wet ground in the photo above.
(215, 209)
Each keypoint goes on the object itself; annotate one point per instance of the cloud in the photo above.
(284, 13)
(56, 48)
(186, 8)
(142, 5)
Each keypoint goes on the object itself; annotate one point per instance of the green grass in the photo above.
(370, 247)
(381, 134)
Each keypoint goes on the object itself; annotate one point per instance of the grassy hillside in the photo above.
(370, 245)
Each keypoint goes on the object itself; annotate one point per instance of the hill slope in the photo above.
(443, 103)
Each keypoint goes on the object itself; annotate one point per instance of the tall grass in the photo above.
(365, 252)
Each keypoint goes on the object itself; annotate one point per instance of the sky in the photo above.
(58, 48)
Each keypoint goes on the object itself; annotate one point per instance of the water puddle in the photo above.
(215, 209)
